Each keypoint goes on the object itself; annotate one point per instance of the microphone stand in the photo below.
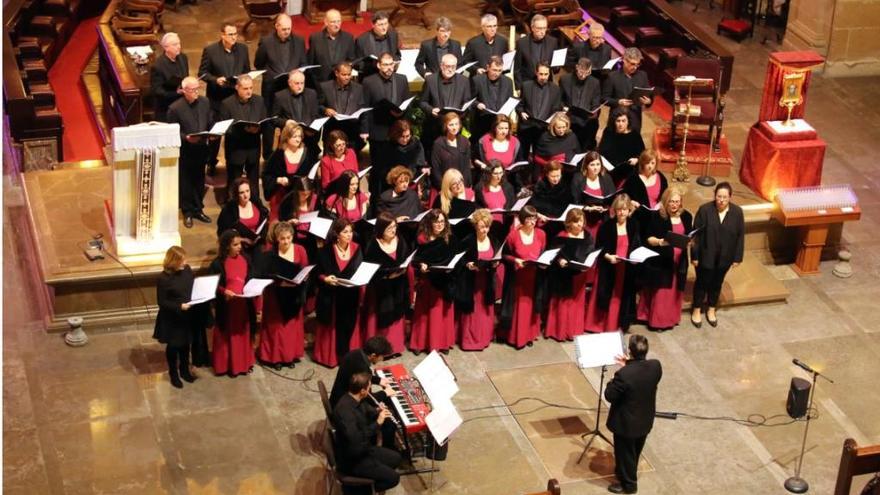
(596, 432)
(796, 484)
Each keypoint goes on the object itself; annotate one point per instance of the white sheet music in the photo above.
(204, 289)
(254, 287)
(605, 163)
(317, 124)
(443, 420)
(570, 207)
(547, 257)
(464, 67)
(611, 63)
(589, 261)
(407, 65)
(507, 58)
(357, 114)
(301, 276)
(408, 260)
(220, 127)
(598, 349)
(639, 255)
(403, 106)
(364, 172)
(507, 108)
(558, 59)
(313, 172)
(436, 378)
(308, 216)
(449, 266)
(362, 275)
(520, 203)
(255, 73)
(319, 226)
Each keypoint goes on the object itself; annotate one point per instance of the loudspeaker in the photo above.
(798, 396)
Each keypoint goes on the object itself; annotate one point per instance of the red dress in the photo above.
(232, 351)
(325, 335)
(654, 192)
(525, 323)
(597, 319)
(495, 199)
(505, 157)
(281, 191)
(433, 321)
(477, 327)
(393, 332)
(593, 219)
(282, 341)
(661, 307)
(353, 214)
(565, 317)
(253, 222)
(331, 168)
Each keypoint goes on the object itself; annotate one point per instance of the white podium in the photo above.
(145, 190)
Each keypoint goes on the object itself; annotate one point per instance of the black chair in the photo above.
(337, 478)
(325, 398)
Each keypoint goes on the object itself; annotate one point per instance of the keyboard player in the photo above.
(362, 360)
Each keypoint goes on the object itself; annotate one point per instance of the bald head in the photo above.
(283, 26)
(333, 22)
(448, 64)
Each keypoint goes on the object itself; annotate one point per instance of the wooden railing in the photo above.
(123, 85)
(854, 461)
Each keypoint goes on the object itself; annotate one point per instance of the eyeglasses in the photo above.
(191, 90)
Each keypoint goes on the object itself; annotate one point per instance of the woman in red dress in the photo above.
(289, 160)
(596, 191)
(244, 213)
(433, 322)
(235, 315)
(612, 300)
(347, 201)
(567, 282)
(387, 297)
(338, 307)
(664, 276)
(499, 144)
(646, 187)
(281, 331)
(523, 284)
(495, 193)
(475, 294)
(337, 158)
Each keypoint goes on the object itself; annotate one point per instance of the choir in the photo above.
(481, 227)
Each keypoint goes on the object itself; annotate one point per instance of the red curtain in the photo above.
(782, 63)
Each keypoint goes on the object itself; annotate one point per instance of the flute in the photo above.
(381, 406)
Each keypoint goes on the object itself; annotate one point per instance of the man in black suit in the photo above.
(297, 103)
(594, 49)
(491, 90)
(362, 360)
(344, 96)
(539, 99)
(619, 85)
(278, 53)
(242, 144)
(329, 46)
(446, 89)
(193, 114)
(166, 74)
(582, 92)
(633, 397)
(385, 85)
(379, 40)
(538, 47)
(431, 51)
(485, 45)
(718, 247)
(221, 63)
(357, 423)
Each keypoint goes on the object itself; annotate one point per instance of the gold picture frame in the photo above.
(792, 92)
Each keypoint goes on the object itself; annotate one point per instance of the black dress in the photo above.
(618, 148)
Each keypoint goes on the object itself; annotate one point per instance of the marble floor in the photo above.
(103, 419)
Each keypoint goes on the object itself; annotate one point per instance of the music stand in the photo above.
(438, 382)
(592, 350)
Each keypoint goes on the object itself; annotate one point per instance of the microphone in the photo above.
(803, 365)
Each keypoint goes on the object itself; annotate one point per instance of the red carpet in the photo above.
(697, 153)
(82, 141)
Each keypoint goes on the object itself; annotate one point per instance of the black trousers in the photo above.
(249, 167)
(586, 134)
(626, 460)
(378, 466)
(707, 287)
(191, 174)
(178, 361)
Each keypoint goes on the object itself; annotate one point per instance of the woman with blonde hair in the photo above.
(178, 321)
(475, 292)
(451, 188)
(557, 142)
(664, 276)
(612, 301)
(292, 158)
(568, 282)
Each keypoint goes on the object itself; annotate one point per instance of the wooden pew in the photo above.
(855, 460)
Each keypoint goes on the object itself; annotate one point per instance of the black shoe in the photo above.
(200, 216)
(176, 383)
(188, 222)
(618, 488)
(188, 377)
(714, 322)
(696, 323)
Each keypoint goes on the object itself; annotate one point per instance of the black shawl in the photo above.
(606, 239)
(618, 148)
(407, 204)
(346, 298)
(551, 200)
(436, 252)
(466, 279)
(571, 248)
(506, 188)
(290, 299)
(392, 294)
(657, 271)
(549, 145)
(228, 218)
(276, 167)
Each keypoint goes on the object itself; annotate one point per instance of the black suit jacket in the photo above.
(356, 431)
(328, 94)
(283, 109)
(528, 103)
(580, 49)
(483, 95)
(355, 361)
(214, 64)
(590, 95)
(366, 45)
(479, 50)
(165, 78)
(192, 118)
(427, 60)
(269, 58)
(431, 97)
(718, 245)
(242, 146)
(525, 60)
(619, 86)
(378, 121)
(633, 397)
(319, 53)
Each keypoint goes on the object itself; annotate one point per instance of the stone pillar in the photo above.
(845, 32)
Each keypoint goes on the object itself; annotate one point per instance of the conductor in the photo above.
(357, 425)
(633, 397)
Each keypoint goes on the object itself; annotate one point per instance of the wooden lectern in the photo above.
(144, 221)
